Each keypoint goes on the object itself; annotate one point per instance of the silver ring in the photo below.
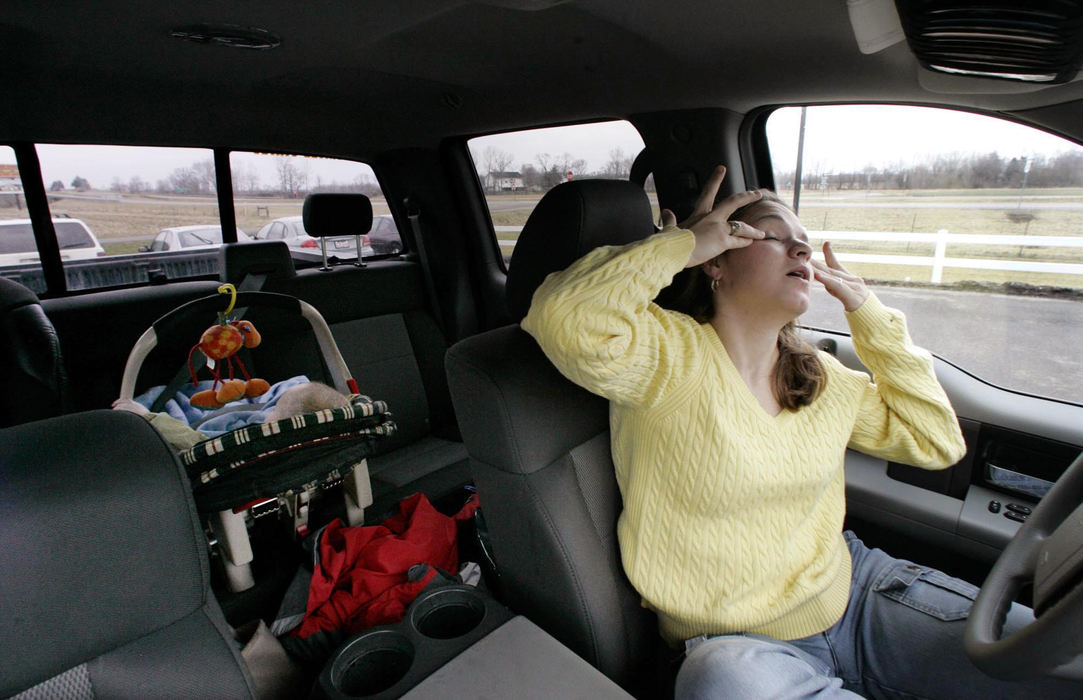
(735, 226)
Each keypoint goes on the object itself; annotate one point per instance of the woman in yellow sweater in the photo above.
(729, 434)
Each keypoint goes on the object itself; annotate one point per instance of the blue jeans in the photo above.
(900, 637)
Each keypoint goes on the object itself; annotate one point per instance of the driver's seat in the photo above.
(539, 450)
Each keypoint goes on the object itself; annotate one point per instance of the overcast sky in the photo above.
(840, 138)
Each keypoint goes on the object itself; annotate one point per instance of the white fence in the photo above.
(939, 259)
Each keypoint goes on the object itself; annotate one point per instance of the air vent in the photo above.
(228, 35)
(1037, 41)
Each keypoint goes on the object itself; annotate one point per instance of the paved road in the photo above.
(1031, 344)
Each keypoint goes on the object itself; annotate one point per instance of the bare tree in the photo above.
(291, 178)
(619, 165)
(184, 181)
(204, 171)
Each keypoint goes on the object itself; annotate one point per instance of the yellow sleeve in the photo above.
(597, 323)
(904, 415)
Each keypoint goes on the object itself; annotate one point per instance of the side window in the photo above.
(108, 203)
(971, 225)
(17, 244)
(269, 191)
(517, 168)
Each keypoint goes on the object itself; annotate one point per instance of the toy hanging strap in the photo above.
(232, 292)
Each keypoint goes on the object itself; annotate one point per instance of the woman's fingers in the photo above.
(836, 271)
(847, 288)
(668, 218)
(730, 204)
(829, 256)
(742, 230)
(710, 190)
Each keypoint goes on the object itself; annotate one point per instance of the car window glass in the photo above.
(269, 191)
(971, 225)
(16, 237)
(517, 168)
(108, 204)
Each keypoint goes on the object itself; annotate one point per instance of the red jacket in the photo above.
(361, 575)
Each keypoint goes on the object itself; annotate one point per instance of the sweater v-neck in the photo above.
(739, 386)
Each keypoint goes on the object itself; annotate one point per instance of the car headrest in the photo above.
(239, 260)
(337, 214)
(571, 220)
(13, 295)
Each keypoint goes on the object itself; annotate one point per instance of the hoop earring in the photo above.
(714, 285)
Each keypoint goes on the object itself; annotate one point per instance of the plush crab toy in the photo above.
(220, 344)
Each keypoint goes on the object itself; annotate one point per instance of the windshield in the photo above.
(203, 236)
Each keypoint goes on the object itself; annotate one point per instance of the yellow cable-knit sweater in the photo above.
(732, 518)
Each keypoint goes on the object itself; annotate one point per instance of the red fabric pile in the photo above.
(360, 579)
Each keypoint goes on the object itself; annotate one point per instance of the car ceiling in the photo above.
(362, 77)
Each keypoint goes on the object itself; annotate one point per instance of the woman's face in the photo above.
(774, 273)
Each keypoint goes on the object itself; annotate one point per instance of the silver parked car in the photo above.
(196, 237)
(291, 229)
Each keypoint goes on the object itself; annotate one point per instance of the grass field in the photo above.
(125, 222)
(992, 212)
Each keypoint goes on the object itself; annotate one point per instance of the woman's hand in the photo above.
(847, 288)
(715, 233)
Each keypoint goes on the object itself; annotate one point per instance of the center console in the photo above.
(456, 641)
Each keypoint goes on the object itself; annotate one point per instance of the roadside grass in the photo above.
(1007, 214)
(111, 216)
(125, 222)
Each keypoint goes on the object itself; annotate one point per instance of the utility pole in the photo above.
(800, 159)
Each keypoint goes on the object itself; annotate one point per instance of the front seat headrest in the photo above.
(571, 220)
(336, 214)
(31, 365)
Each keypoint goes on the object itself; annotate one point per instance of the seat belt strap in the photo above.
(414, 214)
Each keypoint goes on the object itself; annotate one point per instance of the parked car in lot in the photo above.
(75, 239)
(195, 237)
(291, 230)
(937, 145)
(384, 236)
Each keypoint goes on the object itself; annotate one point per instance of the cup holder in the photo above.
(384, 662)
(372, 663)
(447, 613)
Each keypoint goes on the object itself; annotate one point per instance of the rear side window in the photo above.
(128, 215)
(71, 235)
(269, 191)
(121, 197)
(15, 237)
(517, 168)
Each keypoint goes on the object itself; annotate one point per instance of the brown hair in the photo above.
(799, 374)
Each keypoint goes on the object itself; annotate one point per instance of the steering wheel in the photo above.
(1047, 549)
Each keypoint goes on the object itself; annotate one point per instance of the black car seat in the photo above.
(539, 449)
(106, 589)
(30, 360)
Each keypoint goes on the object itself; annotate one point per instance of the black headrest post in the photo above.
(571, 220)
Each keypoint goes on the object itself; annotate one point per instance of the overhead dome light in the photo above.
(228, 35)
(1041, 41)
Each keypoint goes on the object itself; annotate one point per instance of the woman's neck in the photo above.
(752, 345)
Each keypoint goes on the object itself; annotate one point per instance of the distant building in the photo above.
(9, 178)
(504, 181)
